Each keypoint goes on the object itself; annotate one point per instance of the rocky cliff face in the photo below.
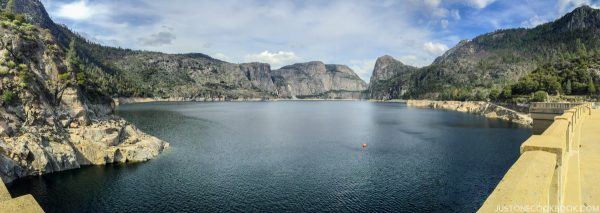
(48, 121)
(387, 67)
(316, 79)
(390, 79)
(497, 59)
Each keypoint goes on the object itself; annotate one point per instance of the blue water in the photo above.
(294, 156)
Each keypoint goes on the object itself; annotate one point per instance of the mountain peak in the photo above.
(386, 67)
(583, 8)
(386, 59)
(32, 9)
(584, 17)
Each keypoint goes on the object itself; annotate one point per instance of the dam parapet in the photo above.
(543, 114)
(549, 176)
(25, 203)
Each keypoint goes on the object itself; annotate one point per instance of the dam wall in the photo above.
(547, 177)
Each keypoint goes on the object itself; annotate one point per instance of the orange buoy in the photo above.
(364, 145)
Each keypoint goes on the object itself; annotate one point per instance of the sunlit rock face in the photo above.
(391, 78)
(48, 121)
(316, 79)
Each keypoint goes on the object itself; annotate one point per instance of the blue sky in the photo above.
(280, 32)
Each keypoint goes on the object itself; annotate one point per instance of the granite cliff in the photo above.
(390, 78)
(49, 120)
(200, 77)
(318, 80)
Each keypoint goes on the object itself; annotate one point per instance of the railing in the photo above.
(547, 105)
(539, 177)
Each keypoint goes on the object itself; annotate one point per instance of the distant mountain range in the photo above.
(491, 61)
(129, 73)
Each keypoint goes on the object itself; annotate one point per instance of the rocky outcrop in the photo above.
(387, 67)
(51, 118)
(259, 75)
(486, 109)
(391, 78)
(316, 79)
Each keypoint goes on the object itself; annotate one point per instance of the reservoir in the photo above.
(294, 156)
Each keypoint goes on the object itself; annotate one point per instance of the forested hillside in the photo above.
(472, 69)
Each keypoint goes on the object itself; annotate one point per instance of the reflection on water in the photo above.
(294, 156)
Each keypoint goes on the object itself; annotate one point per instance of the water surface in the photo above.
(294, 156)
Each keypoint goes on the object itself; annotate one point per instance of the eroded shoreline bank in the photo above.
(486, 109)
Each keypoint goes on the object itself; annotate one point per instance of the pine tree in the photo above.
(591, 87)
(10, 6)
(581, 49)
(568, 88)
(72, 59)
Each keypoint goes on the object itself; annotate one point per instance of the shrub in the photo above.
(23, 68)
(506, 93)
(4, 70)
(21, 18)
(540, 96)
(494, 94)
(64, 76)
(11, 64)
(24, 77)
(8, 97)
(17, 22)
(80, 78)
(7, 15)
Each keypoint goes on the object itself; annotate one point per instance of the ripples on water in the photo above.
(294, 156)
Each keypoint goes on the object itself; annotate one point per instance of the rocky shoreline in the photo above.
(481, 108)
(120, 101)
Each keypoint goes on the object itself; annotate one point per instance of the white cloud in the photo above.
(221, 56)
(444, 23)
(77, 10)
(158, 39)
(333, 31)
(363, 68)
(276, 59)
(480, 4)
(435, 48)
(414, 60)
(533, 21)
(566, 5)
(432, 3)
(455, 14)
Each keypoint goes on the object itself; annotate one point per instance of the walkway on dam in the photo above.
(589, 155)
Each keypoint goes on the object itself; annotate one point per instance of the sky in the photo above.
(282, 32)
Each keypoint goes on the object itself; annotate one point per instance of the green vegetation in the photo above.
(574, 76)
(544, 58)
(8, 97)
(75, 67)
(540, 96)
(10, 6)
